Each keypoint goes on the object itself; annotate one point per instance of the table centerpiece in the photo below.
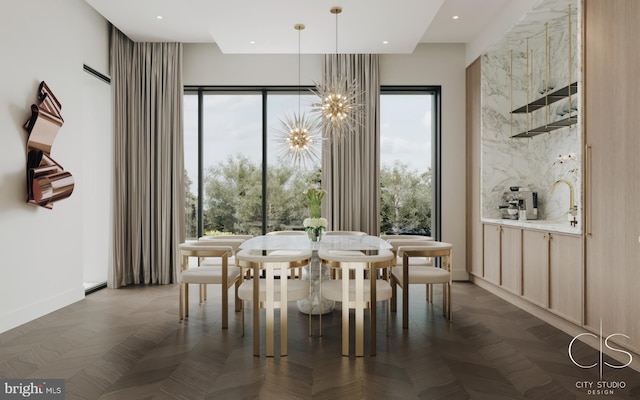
(315, 225)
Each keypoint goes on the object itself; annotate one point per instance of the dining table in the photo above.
(315, 304)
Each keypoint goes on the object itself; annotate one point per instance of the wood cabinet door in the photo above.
(612, 178)
(474, 224)
(535, 267)
(491, 254)
(566, 272)
(511, 259)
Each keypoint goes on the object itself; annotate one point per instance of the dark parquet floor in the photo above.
(128, 344)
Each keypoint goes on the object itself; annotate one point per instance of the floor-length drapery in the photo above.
(146, 80)
(351, 166)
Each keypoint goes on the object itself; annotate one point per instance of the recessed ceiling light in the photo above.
(252, 42)
(385, 42)
(455, 17)
(159, 17)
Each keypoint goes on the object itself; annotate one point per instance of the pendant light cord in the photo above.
(336, 34)
(299, 35)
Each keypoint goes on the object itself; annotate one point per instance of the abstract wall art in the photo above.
(47, 181)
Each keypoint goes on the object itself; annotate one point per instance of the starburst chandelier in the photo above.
(338, 110)
(297, 137)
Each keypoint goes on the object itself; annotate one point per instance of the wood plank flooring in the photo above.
(128, 344)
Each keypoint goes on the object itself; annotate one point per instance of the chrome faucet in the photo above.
(573, 208)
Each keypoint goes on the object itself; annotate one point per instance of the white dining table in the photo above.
(315, 272)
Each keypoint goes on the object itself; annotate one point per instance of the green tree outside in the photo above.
(233, 198)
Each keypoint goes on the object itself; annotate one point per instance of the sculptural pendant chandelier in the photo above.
(297, 138)
(338, 111)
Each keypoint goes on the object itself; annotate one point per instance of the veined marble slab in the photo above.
(512, 74)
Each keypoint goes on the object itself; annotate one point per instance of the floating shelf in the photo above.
(548, 128)
(550, 98)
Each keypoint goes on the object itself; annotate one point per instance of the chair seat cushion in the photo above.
(212, 274)
(422, 275)
(332, 290)
(296, 290)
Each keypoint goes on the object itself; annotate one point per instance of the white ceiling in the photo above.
(363, 25)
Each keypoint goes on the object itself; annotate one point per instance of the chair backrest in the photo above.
(395, 243)
(222, 241)
(405, 237)
(356, 233)
(203, 249)
(427, 249)
(247, 258)
(287, 233)
(227, 237)
(384, 258)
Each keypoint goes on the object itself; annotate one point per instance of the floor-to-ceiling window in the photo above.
(408, 160)
(238, 181)
(286, 205)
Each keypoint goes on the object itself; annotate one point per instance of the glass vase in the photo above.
(315, 234)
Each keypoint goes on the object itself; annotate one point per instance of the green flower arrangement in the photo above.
(315, 225)
(314, 197)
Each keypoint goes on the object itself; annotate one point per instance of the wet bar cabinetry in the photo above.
(574, 280)
(544, 268)
(502, 256)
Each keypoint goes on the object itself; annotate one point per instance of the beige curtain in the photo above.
(351, 166)
(146, 81)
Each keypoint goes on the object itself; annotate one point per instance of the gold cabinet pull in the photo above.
(587, 184)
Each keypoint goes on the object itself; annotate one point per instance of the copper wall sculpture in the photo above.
(47, 181)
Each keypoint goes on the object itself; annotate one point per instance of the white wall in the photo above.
(440, 64)
(444, 65)
(41, 253)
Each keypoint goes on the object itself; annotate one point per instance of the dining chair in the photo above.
(221, 240)
(398, 239)
(405, 237)
(294, 272)
(287, 233)
(358, 293)
(427, 275)
(265, 293)
(357, 233)
(335, 272)
(223, 274)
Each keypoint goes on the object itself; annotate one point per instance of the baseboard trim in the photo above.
(16, 317)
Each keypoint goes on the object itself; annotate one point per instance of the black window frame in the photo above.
(200, 91)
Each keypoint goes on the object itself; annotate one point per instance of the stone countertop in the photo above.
(549, 226)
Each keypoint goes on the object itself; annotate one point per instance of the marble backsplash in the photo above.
(514, 72)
